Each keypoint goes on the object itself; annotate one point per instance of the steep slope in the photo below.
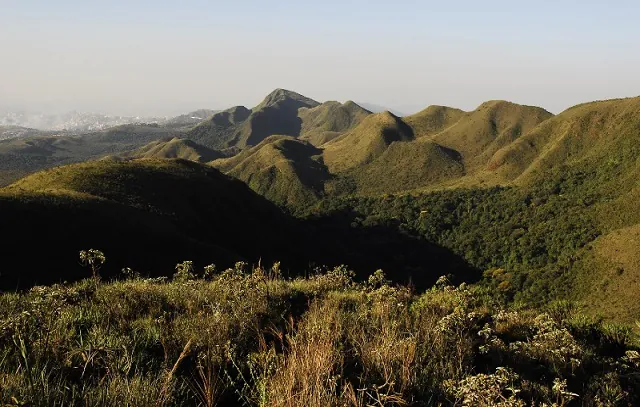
(283, 169)
(144, 214)
(171, 148)
(479, 134)
(327, 121)
(365, 142)
(276, 114)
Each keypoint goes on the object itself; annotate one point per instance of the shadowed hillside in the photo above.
(152, 214)
(149, 214)
(239, 127)
(220, 129)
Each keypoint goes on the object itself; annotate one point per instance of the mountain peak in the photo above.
(283, 95)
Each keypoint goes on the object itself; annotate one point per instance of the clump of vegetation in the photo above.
(94, 259)
(247, 336)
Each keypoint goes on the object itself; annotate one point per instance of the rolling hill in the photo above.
(367, 141)
(171, 148)
(552, 201)
(403, 166)
(477, 135)
(151, 214)
(433, 120)
(327, 121)
(606, 130)
(283, 169)
(219, 131)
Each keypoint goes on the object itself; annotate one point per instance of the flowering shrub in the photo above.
(499, 389)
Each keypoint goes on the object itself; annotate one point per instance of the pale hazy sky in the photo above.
(165, 57)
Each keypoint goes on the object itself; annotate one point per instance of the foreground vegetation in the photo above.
(249, 337)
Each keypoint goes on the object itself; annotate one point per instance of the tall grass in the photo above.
(247, 337)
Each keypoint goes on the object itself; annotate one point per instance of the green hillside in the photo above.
(563, 227)
(433, 120)
(479, 134)
(283, 169)
(327, 121)
(367, 141)
(171, 148)
(403, 166)
(534, 201)
(595, 131)
(610, 277)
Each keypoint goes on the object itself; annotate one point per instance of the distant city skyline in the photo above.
(163, 58)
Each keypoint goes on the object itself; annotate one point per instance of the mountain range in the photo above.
(330, 181)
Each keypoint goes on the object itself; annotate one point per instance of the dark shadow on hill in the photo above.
(43, 242)
(404, 258)
(403, 132)
(151, 218)
(281, 120)
(307, 163)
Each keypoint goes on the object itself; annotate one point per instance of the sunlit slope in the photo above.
(285, 170)
(327, 121)
(477, 135)
(172, 148)
(593, 134)
(433, 120)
